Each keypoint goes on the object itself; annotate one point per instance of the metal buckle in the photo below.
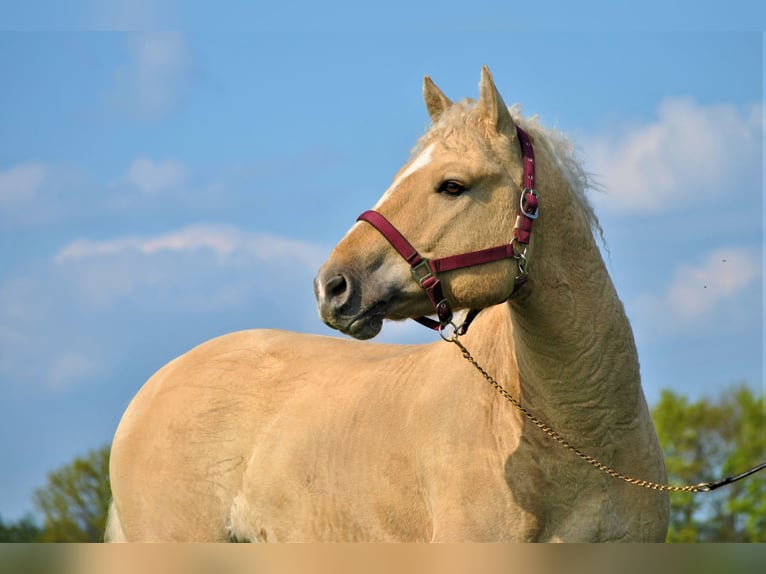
(524, 192)
(421, 271)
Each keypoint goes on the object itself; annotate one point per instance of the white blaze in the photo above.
(423, 159)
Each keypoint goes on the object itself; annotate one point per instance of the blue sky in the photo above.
(158, 189)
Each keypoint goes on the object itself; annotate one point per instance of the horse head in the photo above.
(459, 193)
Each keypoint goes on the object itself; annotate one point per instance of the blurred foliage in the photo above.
(704, 441)
(25, 530)
(75, 502)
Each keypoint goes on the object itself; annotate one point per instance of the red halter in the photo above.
(426, 271)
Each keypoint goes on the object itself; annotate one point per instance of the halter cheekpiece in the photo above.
(426, 271)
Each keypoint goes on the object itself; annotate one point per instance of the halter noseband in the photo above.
(426, 271)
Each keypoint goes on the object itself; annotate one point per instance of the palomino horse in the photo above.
(276, 436)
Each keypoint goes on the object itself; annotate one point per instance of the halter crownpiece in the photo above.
(426, 271)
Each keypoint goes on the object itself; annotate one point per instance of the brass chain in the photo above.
(701, 487)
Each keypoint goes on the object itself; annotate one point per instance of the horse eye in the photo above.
(451, 187)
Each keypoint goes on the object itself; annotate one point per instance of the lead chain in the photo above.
(701, 487)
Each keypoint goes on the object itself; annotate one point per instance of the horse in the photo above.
(268, 435)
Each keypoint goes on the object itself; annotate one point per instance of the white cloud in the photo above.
(153, 177)
(221, 240)
(217, 263)
(70, 368)
(720, 291)
(689, 152)
(36, 193)
(152, 84)
(722, 275)
(73, 319)
(21, 183)
(42, 342)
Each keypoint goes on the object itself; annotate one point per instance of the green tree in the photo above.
(76, 499)
(703, 442)
(25, 530)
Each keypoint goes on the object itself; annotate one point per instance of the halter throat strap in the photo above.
(426, 271)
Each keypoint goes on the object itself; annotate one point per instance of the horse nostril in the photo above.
(334, 293)
(336, 287)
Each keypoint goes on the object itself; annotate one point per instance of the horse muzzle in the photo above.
(341, 305)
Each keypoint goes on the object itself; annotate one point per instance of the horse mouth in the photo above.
(368, 323)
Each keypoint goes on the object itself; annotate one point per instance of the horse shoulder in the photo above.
(182, 445)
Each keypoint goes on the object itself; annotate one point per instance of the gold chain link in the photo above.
(701, 487)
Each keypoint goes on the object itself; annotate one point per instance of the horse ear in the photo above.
(492, 105)
(436, 101)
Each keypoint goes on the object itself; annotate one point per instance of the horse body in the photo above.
(275, 436)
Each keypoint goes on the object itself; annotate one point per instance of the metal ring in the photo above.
(453, 336)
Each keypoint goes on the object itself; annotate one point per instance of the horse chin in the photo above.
(368, 323)
(365, 327)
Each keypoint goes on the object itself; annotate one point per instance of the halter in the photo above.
(426, 271)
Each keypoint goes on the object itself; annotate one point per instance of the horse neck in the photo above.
(566, 332)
